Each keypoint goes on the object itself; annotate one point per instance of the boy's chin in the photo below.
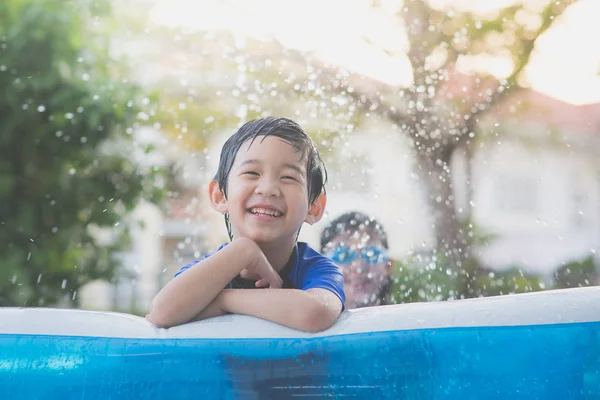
(268, 238)
(264, 239)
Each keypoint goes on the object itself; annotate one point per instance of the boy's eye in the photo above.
(289, 177)
(253, 173)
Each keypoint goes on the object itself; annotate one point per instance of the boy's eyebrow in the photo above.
(295, 168)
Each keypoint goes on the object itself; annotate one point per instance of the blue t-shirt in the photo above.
(306, 269)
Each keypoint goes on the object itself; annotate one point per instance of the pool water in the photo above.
(560, 361)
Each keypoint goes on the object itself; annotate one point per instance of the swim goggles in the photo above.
(345, 255)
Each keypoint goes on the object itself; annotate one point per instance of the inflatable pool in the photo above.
(541, 345)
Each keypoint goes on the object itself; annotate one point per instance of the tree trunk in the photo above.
(450, 232)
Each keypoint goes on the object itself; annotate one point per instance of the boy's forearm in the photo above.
(313, 310)
(189, 294)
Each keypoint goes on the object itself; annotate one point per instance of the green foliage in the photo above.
(423, 277)
(66, 119)
(513, 280)
(426, 277)
(576, 274)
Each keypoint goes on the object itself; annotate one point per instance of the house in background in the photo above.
(538, 185)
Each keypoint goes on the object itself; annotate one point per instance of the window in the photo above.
(516, 195)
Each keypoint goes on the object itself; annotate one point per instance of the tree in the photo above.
(442, 110)
(67, 115)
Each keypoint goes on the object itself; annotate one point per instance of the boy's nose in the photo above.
(267, 188)
(356, 267)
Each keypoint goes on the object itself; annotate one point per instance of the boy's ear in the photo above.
(217, 197)
(317, 209)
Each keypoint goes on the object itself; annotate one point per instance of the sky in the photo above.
(565, 65)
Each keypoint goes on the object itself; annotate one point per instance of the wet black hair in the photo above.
(286, 130)
(350, 222)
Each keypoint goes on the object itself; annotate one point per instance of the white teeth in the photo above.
(264, 211)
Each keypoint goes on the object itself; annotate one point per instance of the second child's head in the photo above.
(358, 245)
(270, 180)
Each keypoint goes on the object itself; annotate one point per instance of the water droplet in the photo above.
(41, 108)
(69, 115)
(28, 256)
(64, 284)
(54, 229)
(72, 171)
(79, 109)
(85, 77)
(182, 106)
(2, 68)
(39, 279)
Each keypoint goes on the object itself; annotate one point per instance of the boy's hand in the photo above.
(260, 269)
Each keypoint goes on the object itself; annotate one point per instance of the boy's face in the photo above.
(267, 192)
(364, 262)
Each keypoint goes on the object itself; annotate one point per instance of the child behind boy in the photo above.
(358, 244)
(270, 180)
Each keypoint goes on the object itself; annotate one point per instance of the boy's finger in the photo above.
(261, 283)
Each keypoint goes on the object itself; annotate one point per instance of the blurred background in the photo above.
(470, 129)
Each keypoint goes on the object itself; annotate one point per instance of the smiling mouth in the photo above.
(264, 212)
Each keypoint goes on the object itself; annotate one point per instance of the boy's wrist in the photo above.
(248, 247)
(223, 300)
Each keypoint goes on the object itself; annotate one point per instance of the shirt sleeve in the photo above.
(190, 265)
(324, 274)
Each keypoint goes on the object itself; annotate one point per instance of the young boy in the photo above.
(358, 244)
(270, 180)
